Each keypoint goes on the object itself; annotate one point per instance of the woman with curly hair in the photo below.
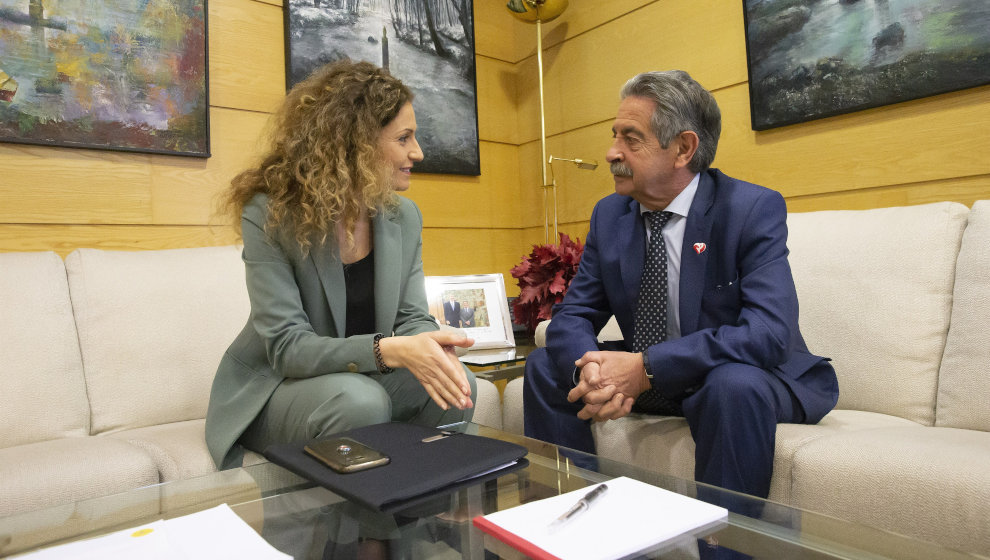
(339, 334)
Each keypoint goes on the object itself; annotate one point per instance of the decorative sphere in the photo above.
(532, 11)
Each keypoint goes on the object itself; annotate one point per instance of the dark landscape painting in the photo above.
(810, 59)
(428, 44)
(111, 74)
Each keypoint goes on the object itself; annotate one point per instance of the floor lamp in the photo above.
(539, 11)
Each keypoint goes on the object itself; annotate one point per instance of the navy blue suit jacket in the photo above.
(737, 297)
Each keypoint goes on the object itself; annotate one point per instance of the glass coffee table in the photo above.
(307, 521)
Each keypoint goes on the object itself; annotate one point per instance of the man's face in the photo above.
(642, 168)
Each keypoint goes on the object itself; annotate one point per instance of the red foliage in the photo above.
(543, 278)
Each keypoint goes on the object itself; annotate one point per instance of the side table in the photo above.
(504, 363)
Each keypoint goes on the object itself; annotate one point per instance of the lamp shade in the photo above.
(532, 11)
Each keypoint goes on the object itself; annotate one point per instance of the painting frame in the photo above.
(813, 60)
(446, 100)
(141, 89)
(492, 326)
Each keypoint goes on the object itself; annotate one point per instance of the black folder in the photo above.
(418, 471)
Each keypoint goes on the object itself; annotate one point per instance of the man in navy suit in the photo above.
(730, 357)
(452, 312)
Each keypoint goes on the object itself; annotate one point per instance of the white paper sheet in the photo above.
(212, 534)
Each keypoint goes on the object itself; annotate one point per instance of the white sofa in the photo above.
(106, 363)
(899, 298)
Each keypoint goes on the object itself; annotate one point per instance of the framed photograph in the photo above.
(125, 75)
(814, 59)
(428, 44)
(475, 303)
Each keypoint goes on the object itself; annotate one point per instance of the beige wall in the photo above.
(909, 153)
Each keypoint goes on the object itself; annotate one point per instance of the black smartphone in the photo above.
(345, 455)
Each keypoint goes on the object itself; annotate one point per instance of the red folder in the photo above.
(513, 540)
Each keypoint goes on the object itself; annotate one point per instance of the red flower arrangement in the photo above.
(543, 278)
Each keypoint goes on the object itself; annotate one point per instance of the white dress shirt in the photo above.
(673, 238)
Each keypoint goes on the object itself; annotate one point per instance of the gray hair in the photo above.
(682, 104)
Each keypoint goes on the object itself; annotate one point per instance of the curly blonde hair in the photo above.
(324, 165)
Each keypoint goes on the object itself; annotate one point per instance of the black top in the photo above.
(359, 277)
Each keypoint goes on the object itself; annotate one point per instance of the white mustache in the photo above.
(620, 169)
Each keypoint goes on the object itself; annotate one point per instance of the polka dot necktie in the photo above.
(651, 312)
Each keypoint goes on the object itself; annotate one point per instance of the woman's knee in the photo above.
(350, 401)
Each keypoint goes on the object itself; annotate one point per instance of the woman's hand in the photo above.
(430, 357)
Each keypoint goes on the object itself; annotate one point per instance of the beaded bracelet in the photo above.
(379, 361)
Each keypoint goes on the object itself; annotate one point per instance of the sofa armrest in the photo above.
(609, 332)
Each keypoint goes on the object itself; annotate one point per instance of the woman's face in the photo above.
(397, 142)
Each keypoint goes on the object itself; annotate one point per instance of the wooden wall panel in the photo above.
(183, 189)
(497, 110)
(62, 185)
(489, 201)
(577, 189)
(583, 75)
(63, 239)
(497, 34)
(924, 140)
(920, 151)
(966, 190)
(448, 251)
(585, 15)
(247, 60)
(530, 181)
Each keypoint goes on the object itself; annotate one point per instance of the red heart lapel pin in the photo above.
(700, 248)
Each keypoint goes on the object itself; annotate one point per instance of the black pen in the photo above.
(582, 505)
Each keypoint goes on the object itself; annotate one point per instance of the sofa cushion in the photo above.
(62, 471)
(512, 406)
(152, 328)
(792, 437)
(664, 443)
(932, 482)
(487, 405)
(964, 380)
(41, 372)
(875, 289)
(656, 443)
(178, 449)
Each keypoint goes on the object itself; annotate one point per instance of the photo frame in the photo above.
(428, 44)
(124, 75)
(481, 308)
(814, 59)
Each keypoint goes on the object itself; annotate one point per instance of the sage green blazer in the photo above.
(298, 316)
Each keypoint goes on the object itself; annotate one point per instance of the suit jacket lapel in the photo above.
(326, 259)
(693, 263)
(631, 240)
(388, 262)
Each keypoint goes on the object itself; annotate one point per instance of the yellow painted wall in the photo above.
(60, 199)
(920, 151)
(915, 152)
